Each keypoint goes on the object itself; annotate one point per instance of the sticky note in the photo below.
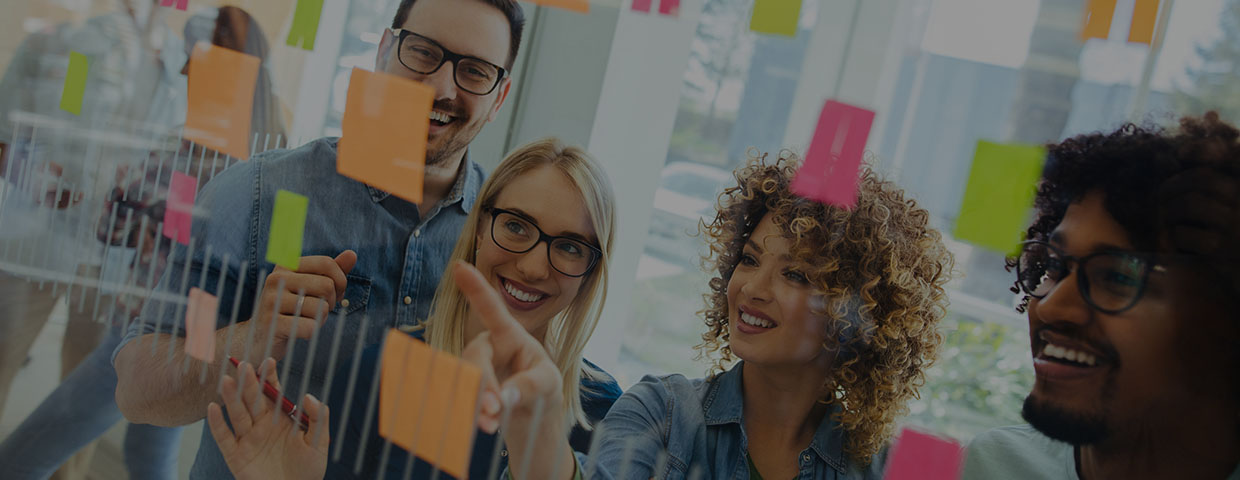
(642, 5)
(830, 171)
(1144, 15)
(582, 6)
(75, 84)
(669, 7)
(200, 324)
(178, 216)
(180, 4)
(221, 97)
(1098, 14)
(999, 195)
(288, 224)
(305, 24)
(919, 456)
(384, 142)
(426, 402)
(778, 17)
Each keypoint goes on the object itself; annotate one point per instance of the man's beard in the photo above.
(1073, 428)
(454, 142)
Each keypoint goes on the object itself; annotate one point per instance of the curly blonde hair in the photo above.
(881, 269)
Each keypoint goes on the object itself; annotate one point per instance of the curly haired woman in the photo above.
(831, 312)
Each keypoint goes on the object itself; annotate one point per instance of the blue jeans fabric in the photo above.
(80, 410)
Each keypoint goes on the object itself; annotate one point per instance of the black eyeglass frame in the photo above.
(596, 253)
(1074, 264)
(448, 56)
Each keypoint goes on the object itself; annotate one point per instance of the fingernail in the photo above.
(511, 396)
(311, 398)
(490, 403)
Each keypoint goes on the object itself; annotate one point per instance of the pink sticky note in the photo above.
(178, 216)
(200, 324)
(920, 456)
(642, 5)
(180, 4)
(669, 7)
(830, 171)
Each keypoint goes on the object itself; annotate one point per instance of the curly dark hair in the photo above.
(1128, 166)
(881, 269)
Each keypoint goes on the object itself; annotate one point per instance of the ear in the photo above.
(501, 96)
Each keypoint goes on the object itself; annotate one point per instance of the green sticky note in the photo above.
(305, 24)
(75, 84)
(779, 17)
(999, 195)
(288, 223)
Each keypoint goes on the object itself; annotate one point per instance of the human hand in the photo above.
(50, 191)
(260, 446)
(298, 300)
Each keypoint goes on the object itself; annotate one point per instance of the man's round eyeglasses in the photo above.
(1110, 282)
(426, 56)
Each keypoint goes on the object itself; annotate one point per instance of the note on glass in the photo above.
(180, 4)
(642, 5)
(426, 402)
(582, 6)
(918, 456)
(999, 195)
(669, 7)
(305, 24)
(1144, 15)
(75, 84)
(288, 224)
(384, 142)
(779, 17)
(178, 216)
(1098, 14)
(200, 324)
(221, 96)
(830, 171)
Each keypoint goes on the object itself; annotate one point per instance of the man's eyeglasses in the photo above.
(1110, 282)
(517, 234)
(425, 56)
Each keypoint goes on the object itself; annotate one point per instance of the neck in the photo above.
(1189, 443)
(782, 404)
(437, 180)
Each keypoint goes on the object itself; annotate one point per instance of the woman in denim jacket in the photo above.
(831, 311)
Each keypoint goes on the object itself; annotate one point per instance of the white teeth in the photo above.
(755, 321)
(440, 117)
(1070, 355)
(520, 295)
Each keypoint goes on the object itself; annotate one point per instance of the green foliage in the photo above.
(1216, 84)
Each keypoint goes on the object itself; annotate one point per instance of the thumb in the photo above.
(347, 260)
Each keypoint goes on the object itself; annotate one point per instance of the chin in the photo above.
(1065, 424)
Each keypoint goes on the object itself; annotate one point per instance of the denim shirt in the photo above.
(401, 258)
(671, 427)
(597, 397)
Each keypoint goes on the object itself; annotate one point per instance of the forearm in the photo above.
(154, 388)
(546, 455)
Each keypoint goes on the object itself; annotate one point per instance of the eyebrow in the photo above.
(785, 257)
(573, 235)
(1058, 239)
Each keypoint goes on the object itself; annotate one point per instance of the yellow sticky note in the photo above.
(200, 324)
(582, 6)
(386, 121)
(999, 195)
(75, 84)
(779, 17)
(427, 401)
(1144, 15)
(1098, 14)
(221, 98)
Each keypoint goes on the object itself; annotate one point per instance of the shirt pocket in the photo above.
(356, 296)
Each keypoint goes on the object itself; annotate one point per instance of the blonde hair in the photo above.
(569, 330)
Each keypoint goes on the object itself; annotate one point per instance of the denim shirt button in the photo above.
(504, 453)
(417, 233)
(408, 300)
(805, 458)
(344, 303)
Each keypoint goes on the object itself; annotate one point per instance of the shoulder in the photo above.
(1017, 451)
(668, 392)
(314, 155)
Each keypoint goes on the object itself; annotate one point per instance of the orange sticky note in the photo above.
(1144, 15)
(427, 401)
(582, 6)
(221, 96)
(200, 324)
(1098, 14)
(386, 121)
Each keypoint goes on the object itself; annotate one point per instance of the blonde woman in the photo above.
(541, 233)
(831, 312)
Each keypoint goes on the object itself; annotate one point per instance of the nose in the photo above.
(534, 264)
(1064, 303)
(758, 286)
(443, 81)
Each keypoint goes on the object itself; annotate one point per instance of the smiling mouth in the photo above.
(519, 294)
(440, 119)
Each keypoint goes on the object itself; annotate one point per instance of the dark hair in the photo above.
(511, 10)
(1127, 166)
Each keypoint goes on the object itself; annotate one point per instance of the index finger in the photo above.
(484, 300)
(327, 267)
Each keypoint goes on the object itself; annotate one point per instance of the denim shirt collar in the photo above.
(459, 192)
(725, 404)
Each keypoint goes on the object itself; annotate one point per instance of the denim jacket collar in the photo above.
(724, 404)
(459, 192)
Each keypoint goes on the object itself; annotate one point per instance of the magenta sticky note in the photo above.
(830, 171)
(180, 4)
(179, 214)
(200, 324)
(669, 7)
(642, 5)
(921, 456)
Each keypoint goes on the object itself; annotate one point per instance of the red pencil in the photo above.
(286, 406)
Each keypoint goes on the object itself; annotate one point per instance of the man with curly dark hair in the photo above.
(1130, 282)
